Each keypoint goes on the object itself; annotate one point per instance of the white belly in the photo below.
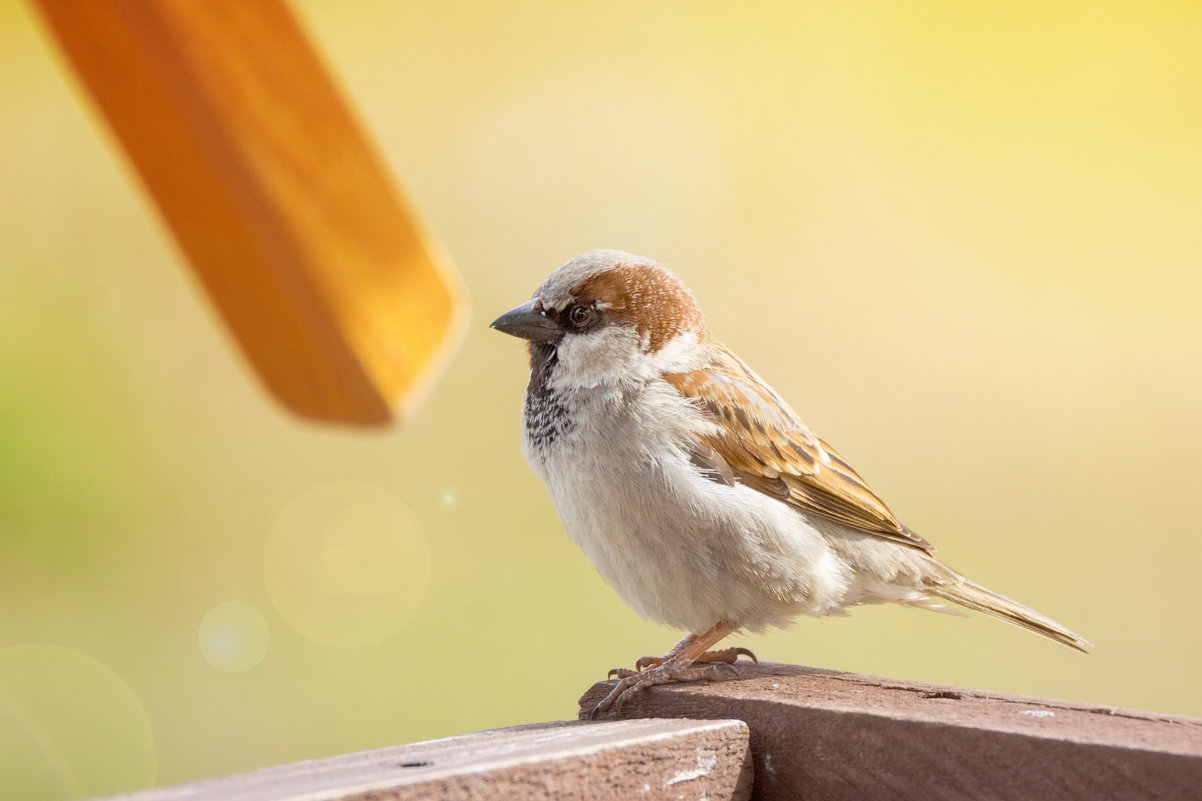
(680, 548)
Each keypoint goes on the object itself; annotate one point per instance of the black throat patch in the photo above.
(546, 416)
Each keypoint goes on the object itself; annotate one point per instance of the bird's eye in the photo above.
(580, 316)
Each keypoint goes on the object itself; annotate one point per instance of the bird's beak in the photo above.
(527, 323)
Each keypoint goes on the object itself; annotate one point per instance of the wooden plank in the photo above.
(651, 759)
(819, 734)
(333, 290)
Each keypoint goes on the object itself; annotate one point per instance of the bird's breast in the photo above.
(678, 547)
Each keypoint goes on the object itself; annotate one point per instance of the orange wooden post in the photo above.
(332, 289)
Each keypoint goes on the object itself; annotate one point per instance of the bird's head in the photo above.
(607, 317)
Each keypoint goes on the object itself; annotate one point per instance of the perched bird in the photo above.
(693, 488)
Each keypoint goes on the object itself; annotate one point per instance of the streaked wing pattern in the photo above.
(770, 450)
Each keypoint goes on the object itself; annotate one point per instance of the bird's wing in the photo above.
(764, 444)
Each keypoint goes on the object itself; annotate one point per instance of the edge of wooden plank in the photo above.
(842, 735)
(653, 758)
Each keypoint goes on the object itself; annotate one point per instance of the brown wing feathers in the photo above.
(766, 447)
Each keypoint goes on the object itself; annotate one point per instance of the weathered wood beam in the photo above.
(647, 759)
(819, 734)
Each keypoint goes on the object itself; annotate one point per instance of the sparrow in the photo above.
(693, 488)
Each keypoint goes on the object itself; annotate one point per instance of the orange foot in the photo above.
(688, 661)
(728, 656)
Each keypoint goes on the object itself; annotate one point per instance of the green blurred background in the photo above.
(964, 240)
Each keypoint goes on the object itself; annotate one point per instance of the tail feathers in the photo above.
(960, 590)
(931, 606)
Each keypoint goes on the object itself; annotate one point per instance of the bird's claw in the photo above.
(727, 656)
(668, 670)
(621, 673)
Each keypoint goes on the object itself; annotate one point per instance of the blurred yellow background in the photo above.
(963, 240)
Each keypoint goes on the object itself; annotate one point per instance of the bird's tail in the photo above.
(953, 587)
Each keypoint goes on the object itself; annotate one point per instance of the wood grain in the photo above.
(823, 735)
(328, 283)
(649, 759)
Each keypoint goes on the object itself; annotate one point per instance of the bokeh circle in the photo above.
(347, 563)
(234, 636)
(69, 727)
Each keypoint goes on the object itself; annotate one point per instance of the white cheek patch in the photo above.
(678, 354)
(617, 354)
(604, 356)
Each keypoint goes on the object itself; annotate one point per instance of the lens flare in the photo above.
(69, 727)
(347, 563)
(234, 636)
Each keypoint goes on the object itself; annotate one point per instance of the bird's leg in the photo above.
(728, 656)
(688, 661)
(653, 661)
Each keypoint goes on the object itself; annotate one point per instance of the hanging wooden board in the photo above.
(337, 296)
